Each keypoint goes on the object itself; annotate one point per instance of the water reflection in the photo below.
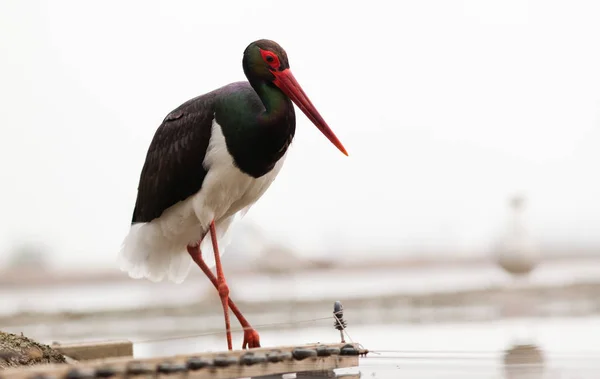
(524, 362)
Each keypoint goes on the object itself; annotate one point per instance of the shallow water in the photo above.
(570, 346)
(444, 350)
(336, 284)
(407, 350)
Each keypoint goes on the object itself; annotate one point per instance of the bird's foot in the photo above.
(251, 339)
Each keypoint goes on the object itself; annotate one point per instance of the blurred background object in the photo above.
(517, 253)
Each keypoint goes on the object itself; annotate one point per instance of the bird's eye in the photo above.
(270, 58)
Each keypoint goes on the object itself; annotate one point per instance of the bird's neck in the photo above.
(261, 139)
(277, 104)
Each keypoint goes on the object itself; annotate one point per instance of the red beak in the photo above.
(288, 84)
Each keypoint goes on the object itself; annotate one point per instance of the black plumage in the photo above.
(174, 168)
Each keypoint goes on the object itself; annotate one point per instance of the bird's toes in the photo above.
(251, 339)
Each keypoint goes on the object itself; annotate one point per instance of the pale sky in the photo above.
(446, 108)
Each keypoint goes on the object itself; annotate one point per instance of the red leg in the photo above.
(221, 284)
(251, 337)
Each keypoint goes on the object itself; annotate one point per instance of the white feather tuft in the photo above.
(146, 253)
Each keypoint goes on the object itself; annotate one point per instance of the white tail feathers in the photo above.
(148, 253)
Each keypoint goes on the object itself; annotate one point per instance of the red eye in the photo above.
(271, 59)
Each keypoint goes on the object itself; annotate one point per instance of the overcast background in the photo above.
(446, 109)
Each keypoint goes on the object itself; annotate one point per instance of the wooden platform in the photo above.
(218, 365)
(96, 350)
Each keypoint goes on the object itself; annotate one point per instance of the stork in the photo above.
(211, 159)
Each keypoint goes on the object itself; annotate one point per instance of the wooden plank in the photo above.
(96, 350)
(178, 366)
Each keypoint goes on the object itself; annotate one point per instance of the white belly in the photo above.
(158, 249)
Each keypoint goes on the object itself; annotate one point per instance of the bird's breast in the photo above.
(226, 189)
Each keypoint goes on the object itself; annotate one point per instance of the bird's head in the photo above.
(265, 61)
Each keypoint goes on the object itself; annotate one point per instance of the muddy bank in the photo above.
(17, 350)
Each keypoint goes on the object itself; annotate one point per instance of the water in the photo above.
(333, 284)
(428, 351)
(445, 350)
(398, 349)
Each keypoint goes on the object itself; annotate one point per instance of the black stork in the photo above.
(211, 159)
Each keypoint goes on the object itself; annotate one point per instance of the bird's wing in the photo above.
(174, 169)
